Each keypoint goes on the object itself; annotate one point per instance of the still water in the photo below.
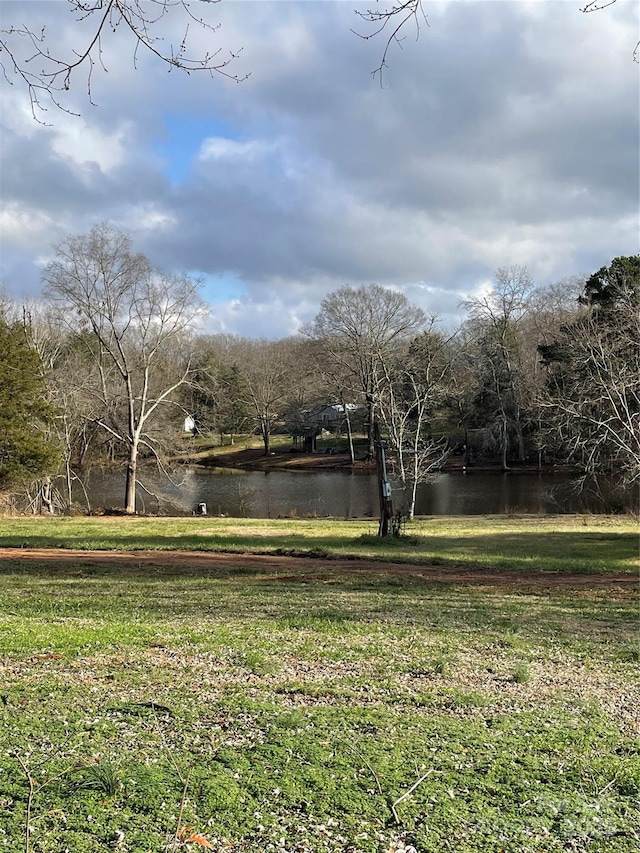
(252, 494)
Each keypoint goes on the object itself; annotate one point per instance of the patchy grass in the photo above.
(370, 711)
(554, 544)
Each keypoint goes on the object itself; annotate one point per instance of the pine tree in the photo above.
(25, 450)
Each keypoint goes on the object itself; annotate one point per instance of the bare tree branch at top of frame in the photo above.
(391, 22)
(47, 75)
(598, 6)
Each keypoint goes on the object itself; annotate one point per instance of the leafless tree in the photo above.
(357, 328)
(412, 386)
(265, 369)
(306, 383)
(494, 321)
(335, 369)
(132, 322)
(47, 74)
(217, 396)
(251, 385)
(550, 309)
(593, 390)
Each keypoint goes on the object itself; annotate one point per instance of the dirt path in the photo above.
(286, 568)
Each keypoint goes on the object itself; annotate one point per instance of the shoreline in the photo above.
(253, 459)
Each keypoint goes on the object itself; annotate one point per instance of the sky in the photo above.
(505, 133)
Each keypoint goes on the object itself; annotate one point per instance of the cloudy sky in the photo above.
(507, 133)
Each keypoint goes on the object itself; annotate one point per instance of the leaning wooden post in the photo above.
(384, 487)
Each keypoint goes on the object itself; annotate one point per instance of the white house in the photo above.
(333, 415)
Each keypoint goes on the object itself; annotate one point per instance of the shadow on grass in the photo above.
(570, 551)
(98, 606)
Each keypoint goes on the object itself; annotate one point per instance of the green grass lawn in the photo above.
(550, 543)
(265, 712)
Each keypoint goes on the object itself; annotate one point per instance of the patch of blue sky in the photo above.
(222, 287)
(182, 140)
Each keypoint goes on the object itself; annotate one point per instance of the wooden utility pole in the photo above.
(384, 486)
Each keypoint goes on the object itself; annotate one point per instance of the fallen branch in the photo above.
(407, 794)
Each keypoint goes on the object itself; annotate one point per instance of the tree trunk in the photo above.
(521, 449)
(414, 485)
(130, 487)
(541, 446)
(412, 503)
(46, 496)
(266, 436)
(384, 489)
(505, 467)
(352, 457)
(371, 428)
(69, 486)
(83, 451)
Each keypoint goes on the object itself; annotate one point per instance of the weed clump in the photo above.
(521, 674)
(440, 665)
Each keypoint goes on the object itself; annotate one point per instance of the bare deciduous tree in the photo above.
(495, 318)
(217, 398)
(595, 400)
(357, 328)
(412, 385)
(333, 367)
(594, 375)
(265, 368)
(132, 321)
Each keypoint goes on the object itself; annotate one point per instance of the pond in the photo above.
(253, 494)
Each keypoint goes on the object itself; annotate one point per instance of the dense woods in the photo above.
(105, 370)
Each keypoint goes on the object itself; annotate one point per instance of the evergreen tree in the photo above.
(616, 287)
(25, 413)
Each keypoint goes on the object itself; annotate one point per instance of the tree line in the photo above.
(105, 368)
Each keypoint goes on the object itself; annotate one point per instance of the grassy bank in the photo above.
(538, 543)
(148, 708)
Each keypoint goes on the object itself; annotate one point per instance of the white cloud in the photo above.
(506, 134)
(77, 141)
(148, 217)
(20, 226)
(219, 148)
(256, 317)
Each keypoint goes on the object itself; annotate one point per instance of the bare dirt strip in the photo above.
(291, 568)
